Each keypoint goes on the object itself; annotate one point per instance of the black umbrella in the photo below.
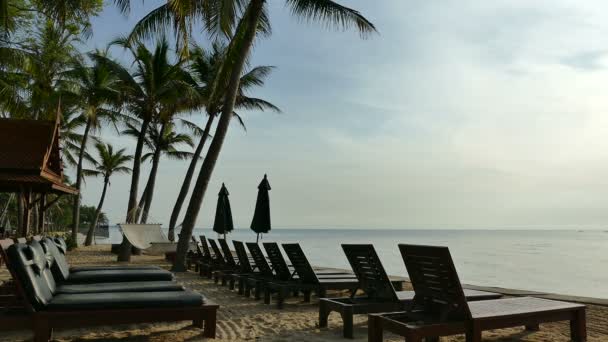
(261, 217)
(223, 215)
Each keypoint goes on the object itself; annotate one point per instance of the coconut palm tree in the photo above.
(108, 162)
(96, 87)
(162, 140)
(226, 85)
(204, 67)
(152, 93)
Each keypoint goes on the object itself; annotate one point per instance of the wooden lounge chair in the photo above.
(265, 274)
(207, 263)
(66, 274)
(47, 310)
(245, 269)
(221, 264)
(379, 294)
(308, 280)
(285, 272)
(440, 308)
(230, 263)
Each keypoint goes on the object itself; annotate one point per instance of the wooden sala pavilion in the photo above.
(30, 164)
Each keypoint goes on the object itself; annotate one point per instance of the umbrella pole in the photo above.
(257, 239)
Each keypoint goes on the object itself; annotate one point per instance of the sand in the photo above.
(244, 319)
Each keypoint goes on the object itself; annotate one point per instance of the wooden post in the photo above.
(41, 211)
(27, 196)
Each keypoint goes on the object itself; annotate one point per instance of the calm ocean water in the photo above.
(565, 262)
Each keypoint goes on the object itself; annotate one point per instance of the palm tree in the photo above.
(162, 140)
(151, 91)
(204, 68)
(96, 87)
(226, 85)
(109, 162)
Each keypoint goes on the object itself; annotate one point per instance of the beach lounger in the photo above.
(284, 272)
(64, 274)
(379, 294)
(47, 310)
(123, 286)
(221, 264)
(245, 269)
(231, 266)
(439, 307)
(308, 280)
(207, 263)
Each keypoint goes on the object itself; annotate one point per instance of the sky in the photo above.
(457, 114)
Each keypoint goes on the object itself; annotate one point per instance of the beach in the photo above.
(245, 319)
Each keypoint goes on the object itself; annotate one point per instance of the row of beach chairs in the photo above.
(47, 294)
(437, 306)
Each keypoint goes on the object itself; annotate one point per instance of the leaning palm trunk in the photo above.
(89, 239)
(239, 48)
(151, 181)
(177, 208)
(124, 253)
(76, 209)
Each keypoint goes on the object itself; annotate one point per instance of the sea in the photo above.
(557, 261)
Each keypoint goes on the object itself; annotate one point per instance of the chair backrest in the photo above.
(279, 265)
(227, 253)
(300, 263)
(259, 259)
(36, 238)
(40, 257)
(199, 251)
(53, 249)
(241, 254)
(435, 281)
(368, 268)
(21, 240)
(216, 251)
(29, 268)
(205, 246)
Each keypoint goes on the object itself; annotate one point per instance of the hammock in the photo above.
(142, 236)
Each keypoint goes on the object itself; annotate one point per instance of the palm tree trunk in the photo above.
(89, 239)
(124, 253)
(76, 205)
(235, 65)
(183, 192)
(142, 200)
(152, 178)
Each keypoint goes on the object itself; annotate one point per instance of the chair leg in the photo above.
(533, 327)
(282, 293)
(374, 329)
(347, 321)
(258, 291)
(307, 294)
(267, 295)
(241, 284)
(473, 335)
(323, 314)
(209, 329)
(231, 284)
(578, 326)
(42, 331)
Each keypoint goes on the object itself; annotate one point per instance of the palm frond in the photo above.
(331, 14)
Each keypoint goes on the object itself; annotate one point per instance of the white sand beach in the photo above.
(245, 319)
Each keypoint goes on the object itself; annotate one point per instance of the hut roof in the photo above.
(30, 157)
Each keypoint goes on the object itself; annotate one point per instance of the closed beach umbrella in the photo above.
(261, 217)
(223, 215)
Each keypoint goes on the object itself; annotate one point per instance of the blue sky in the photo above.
(459, 114)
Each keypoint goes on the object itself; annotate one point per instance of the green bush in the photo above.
(70, 242)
